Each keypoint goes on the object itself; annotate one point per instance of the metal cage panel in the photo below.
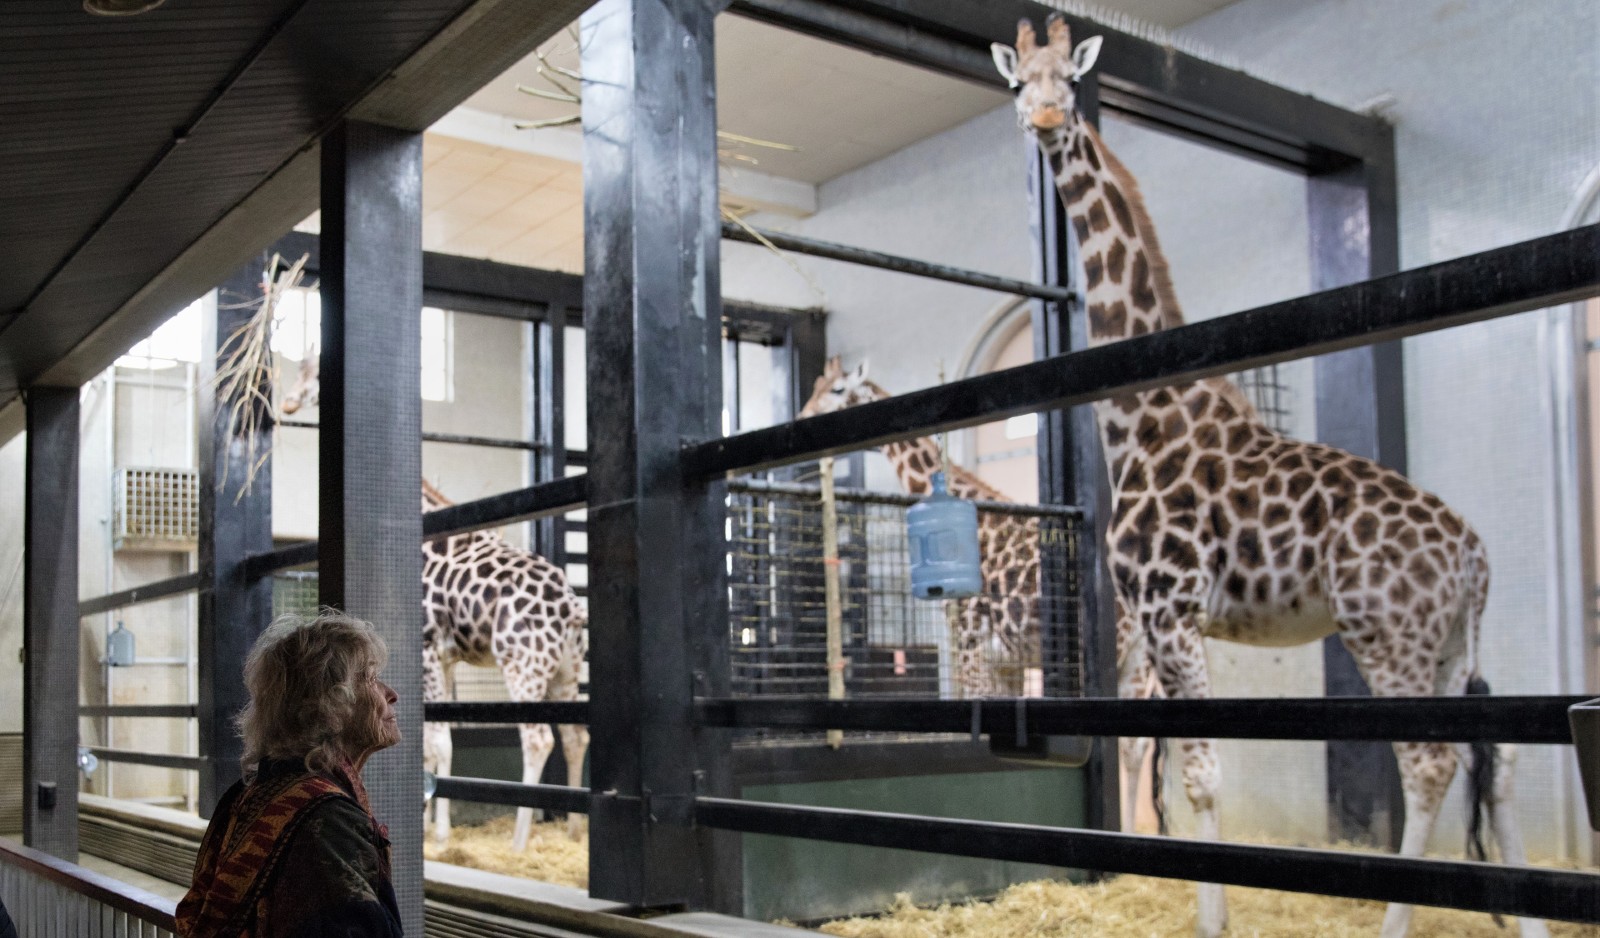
(156, 509)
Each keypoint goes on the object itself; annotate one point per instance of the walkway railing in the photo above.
(50, 898)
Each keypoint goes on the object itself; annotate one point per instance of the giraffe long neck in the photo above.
(1127, 290)
(1127, 293)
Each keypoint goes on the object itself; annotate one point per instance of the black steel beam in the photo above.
(462, 439)
(549, 412)
(1480, 887)
(1360, 408)
(537, 501)
(882, 261)
(50, 627)
(1534, 274)
(370, 444)
(162, 760)
(1141, 79)
(270, 562)
(1077, 604)
(151, 711)
(1531, 720)
(235, 521)
(491, 791)
(149, 592)
(467, 278)
(652, 314)
(802, 489)
(506, 711)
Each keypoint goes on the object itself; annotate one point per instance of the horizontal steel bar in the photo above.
(867, 496)
(1532, 720)
(1534, 274)
(429, 436)
(161, 589)
(1479, 887)
(536, 501)
(491, 791)
(506, 711)
(169, 711)
(97, 887)
(904, 265)
(555, 497)
(256, 566)
(164, 760)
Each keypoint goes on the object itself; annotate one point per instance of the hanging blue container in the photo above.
(943, 531)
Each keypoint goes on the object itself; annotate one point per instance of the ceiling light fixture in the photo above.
(120, 7)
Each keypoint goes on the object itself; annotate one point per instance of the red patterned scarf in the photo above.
(246, 839)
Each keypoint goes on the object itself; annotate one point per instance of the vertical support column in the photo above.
(235, 521)
(1072, 471)
(652, 313)
(1360, 408)
(550, 425)
(50, 629)
(369, 548)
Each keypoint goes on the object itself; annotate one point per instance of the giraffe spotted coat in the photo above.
(1223, 528)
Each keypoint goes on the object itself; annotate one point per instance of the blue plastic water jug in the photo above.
(943, 531)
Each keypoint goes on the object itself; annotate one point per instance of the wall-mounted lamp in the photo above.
(87, 762)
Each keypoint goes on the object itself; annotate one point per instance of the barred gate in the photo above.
(894, 645)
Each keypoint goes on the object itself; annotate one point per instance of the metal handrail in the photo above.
(97, 887)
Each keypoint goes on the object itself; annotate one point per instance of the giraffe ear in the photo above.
(860, 373)
(1005, 60)
(1084, 56)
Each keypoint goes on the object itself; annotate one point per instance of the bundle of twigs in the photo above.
(243, 381)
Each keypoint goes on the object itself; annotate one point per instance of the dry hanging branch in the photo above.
(244, 373)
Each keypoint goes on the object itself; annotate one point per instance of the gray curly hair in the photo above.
(306, 677)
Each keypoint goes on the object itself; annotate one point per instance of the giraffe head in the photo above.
(307, 386)
(1045, 77)
(835, 389)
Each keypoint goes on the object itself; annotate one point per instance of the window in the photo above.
(174, 341)
(297, 333)
(438, 354)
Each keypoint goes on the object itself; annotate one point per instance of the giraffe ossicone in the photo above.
(1223, 528)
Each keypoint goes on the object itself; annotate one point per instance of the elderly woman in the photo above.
(293, 850)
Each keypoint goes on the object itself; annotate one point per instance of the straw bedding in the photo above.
(1122, 907)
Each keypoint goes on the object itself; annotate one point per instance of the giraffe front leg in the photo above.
(437, 746)
(1135, 676)
(1180, 662)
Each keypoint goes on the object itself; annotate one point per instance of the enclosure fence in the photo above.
(50, 898)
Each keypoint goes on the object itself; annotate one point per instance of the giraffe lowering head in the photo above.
(835, 389)
(1045, 77)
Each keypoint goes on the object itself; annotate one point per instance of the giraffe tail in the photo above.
(1480, 782)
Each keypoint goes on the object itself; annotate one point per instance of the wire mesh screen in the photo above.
(294, 591)
(1025, 627)
(1267, 390)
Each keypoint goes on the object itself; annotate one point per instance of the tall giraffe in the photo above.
(1006, 615)
(490, 604)
(1223, 528)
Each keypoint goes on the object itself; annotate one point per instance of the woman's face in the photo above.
(378, 722)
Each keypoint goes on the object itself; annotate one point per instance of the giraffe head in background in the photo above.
(836, 389)
(1045, 77)
(307, 388)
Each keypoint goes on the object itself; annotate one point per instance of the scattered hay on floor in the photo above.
(1142, 907)
(552, 856)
